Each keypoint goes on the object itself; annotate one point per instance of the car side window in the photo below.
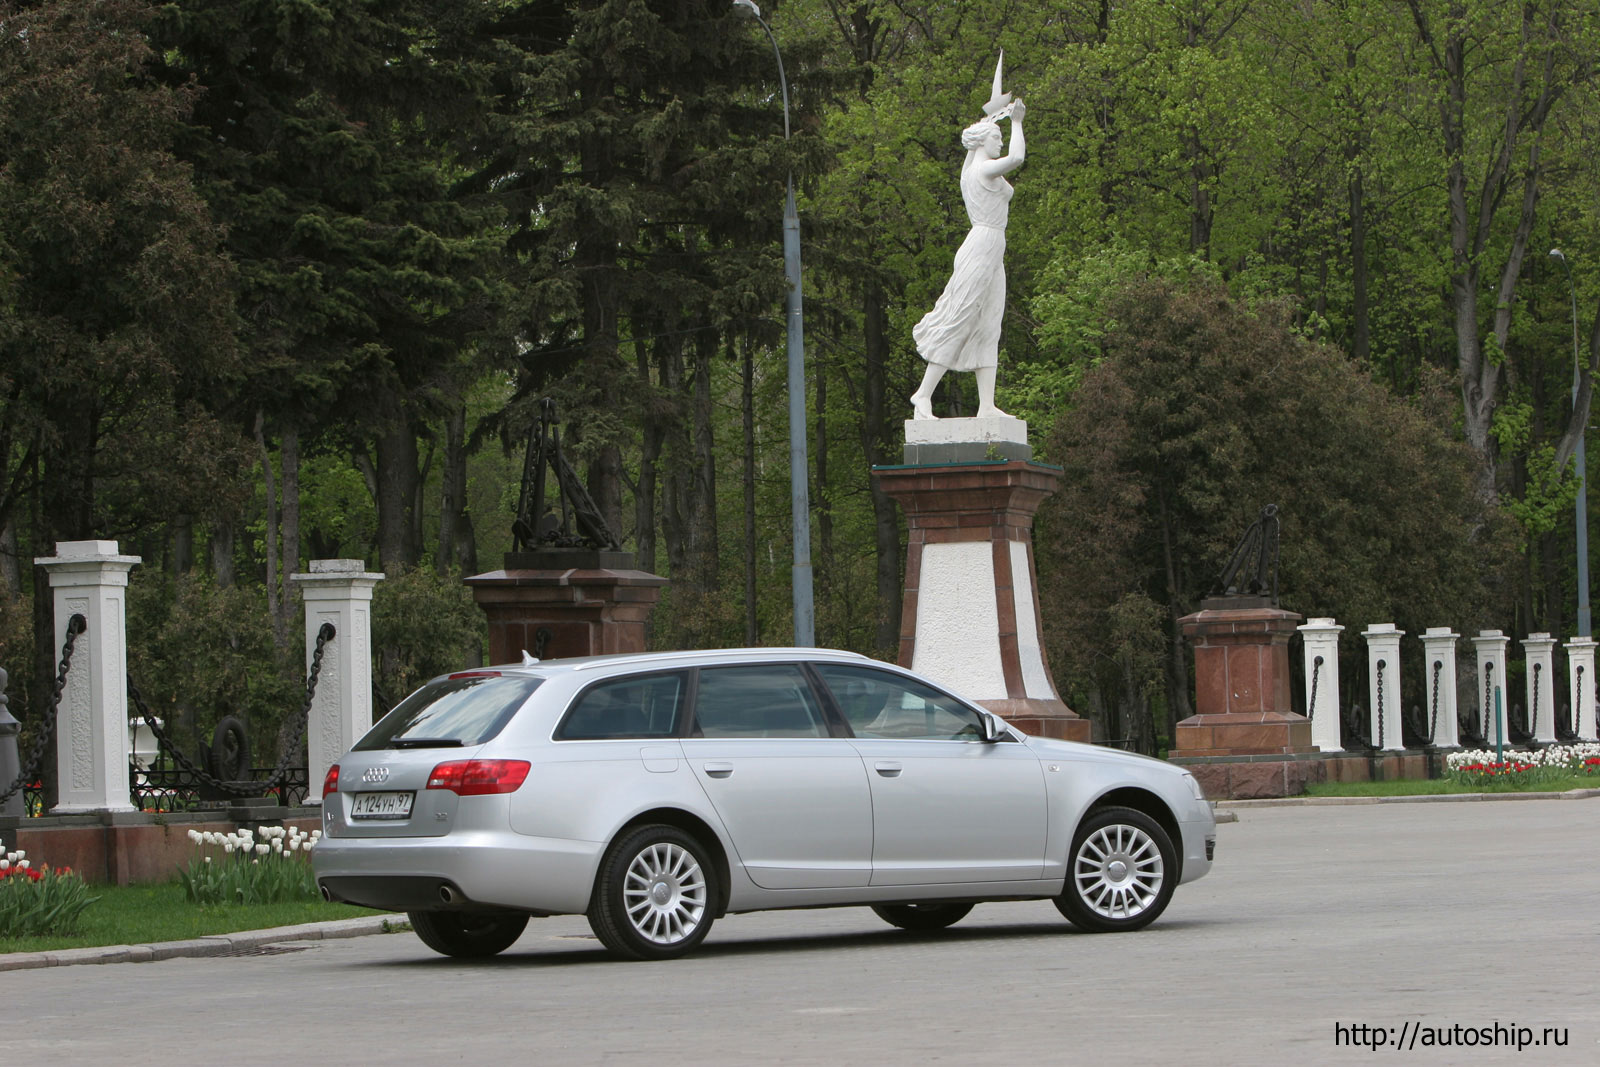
(878, 704)
(770, 700)
(637, 707)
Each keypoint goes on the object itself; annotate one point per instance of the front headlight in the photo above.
(1194, 786)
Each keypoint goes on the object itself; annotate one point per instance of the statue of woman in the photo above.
(962, 332)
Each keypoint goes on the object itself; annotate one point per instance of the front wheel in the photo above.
(1121, 872)
(653, 897)
(465, 934)
(921, 916)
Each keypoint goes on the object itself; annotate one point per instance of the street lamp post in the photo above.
(1583, 488)
(799, 490)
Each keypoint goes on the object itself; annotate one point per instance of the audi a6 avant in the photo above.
(655, 793)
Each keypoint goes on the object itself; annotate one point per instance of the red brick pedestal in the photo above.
(572, 603)
(1244, 740)
(970, 617)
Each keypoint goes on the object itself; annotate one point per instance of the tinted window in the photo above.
(639, 707)
(765, 701)
(464, 710)
(880, 704)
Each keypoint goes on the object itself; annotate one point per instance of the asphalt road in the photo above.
(1391, 917)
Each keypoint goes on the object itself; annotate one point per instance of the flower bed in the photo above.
(266, 866)
(1520, 770)
(39, 900)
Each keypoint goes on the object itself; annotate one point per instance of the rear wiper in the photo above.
(426, 742)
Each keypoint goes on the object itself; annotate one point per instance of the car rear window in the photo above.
(455, 712)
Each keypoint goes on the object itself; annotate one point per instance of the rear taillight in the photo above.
(330, 784)
(479, 777)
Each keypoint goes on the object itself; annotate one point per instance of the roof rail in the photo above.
(697, 653)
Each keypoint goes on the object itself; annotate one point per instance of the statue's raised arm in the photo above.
(962, 332)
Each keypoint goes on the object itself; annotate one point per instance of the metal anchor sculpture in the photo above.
(535, 526)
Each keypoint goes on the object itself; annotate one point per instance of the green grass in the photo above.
(1404, 787)
(141, 914)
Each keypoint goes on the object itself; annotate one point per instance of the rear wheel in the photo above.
(653, 898)
(921, 916)
(1120, 874)
(465, 934)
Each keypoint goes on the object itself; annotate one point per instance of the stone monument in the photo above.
(567, 588)
(970, 616)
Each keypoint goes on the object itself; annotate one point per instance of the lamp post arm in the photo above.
(783, 81)
(1583, 373)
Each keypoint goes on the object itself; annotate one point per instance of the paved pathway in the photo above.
(1378, 916)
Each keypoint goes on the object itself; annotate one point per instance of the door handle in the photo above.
(718, 770)
(887, 768)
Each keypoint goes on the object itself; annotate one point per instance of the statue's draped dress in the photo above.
(962, 332)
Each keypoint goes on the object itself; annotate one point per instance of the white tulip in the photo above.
(5, 865)
(262, 850)
(277, 846)
(22, 865)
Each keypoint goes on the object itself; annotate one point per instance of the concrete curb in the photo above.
(1428, 798)
(211, 945)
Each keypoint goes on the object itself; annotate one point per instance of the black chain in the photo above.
(1316, 671)
(41, 742)
(1577, 699)
(1381, 665)
(1433, 723)
(291, 752)
(1488, 695)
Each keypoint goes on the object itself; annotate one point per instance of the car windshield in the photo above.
(463, 709)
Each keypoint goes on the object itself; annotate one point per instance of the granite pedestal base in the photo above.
(565, 604)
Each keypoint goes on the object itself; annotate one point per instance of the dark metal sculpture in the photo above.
(1252, 570)
(535, 526)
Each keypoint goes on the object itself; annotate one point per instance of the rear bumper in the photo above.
(534, 874)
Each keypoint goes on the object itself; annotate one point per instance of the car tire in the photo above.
(1120, 873)
(655, 894)
(921, 916)
(466, 934)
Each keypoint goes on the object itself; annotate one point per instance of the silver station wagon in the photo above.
(655, 793)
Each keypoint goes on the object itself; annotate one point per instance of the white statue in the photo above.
(962, 332)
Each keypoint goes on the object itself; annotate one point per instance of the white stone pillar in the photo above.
(89, 578)
(1383, 672)
(338, 591)
(1580, 681)
(1439, 671)
(1540, 684)
(1322, 682)
(1491, 646)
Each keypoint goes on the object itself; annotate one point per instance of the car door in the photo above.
(794, 798)
(947, 807)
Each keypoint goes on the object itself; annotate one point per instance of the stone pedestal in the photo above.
(337, 591)
(1439, 669)
(1244, 738)
(562, 603)
(90, 578)
(1539, 650)
(1322, 682)
(1580, 679)
(970, 617)
(1383, 686)
(1491, 649)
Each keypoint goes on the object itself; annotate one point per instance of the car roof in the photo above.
(690, 658)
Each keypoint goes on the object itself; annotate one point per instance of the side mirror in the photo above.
(993, 729)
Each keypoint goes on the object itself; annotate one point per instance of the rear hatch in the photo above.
(408, 775)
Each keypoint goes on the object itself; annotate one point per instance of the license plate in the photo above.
(382, 806)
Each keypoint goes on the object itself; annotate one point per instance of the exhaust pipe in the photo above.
(447, 894)
(325, 894)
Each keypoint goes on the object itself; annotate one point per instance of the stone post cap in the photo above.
(1382, 629)
(1320, 624)
(86, 552)
(1440, 632)
(1581, 642)
(1491, 635)
(333, 570)
(1538, 639)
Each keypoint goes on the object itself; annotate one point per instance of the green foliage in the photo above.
(36, 900)
(423, 624)
(198, 653)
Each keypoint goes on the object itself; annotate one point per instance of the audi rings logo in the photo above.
(374, 775)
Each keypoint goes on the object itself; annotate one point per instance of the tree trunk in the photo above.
(747, 406)
(885, 518)
(396, 477)
(821, 494)
(181, 560)
(644, 498)
(222, 536)
(274, 605)
(10, 566)
(453, 488)
(703, 499)
(289, 455)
